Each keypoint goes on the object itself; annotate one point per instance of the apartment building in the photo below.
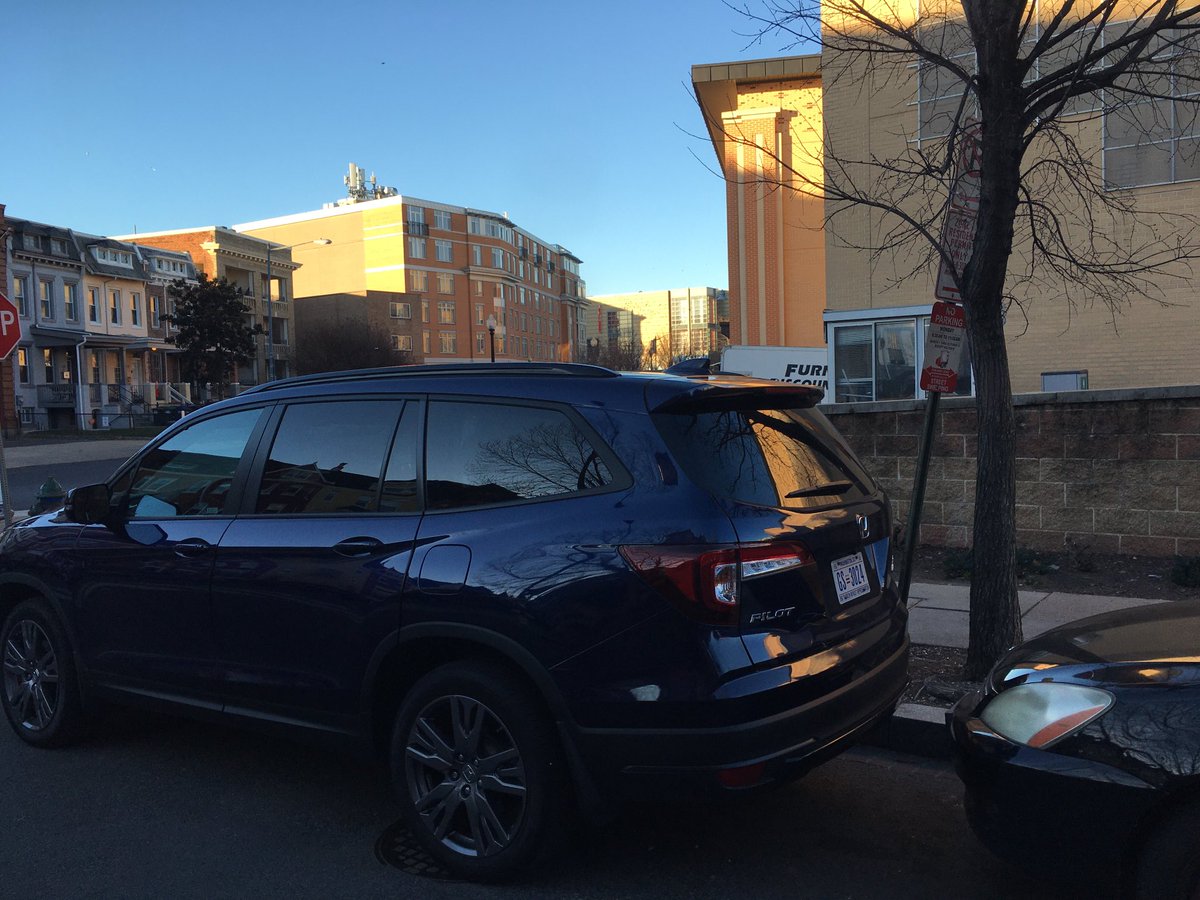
(8, 396)
(436, 274)
(872, 310)
(657, 326)
(261, 270)
(94, 351)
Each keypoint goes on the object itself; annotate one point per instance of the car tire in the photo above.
(39, 689)
(1168, 867)
(479, 771)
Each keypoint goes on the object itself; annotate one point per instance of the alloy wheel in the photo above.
(465, 776)
(30, 675)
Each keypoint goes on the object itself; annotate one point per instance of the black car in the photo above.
(530, 587)
(1082, 754)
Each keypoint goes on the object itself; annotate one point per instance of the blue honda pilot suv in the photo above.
(533, 587)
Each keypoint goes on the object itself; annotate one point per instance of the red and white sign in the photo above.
(10, 326)
(958, 230)
(944, 348)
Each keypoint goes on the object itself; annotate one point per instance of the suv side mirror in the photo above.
(88, 505)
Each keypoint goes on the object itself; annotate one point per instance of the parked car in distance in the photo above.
(1082, 753)
(531, 587)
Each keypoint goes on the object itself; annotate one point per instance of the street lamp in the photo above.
(491, 324)
(270, 317)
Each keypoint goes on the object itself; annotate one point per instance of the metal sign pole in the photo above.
(4, 494)
(913, 526)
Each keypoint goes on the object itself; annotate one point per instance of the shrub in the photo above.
(957, 562)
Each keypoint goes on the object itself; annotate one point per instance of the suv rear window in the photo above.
(790, 458)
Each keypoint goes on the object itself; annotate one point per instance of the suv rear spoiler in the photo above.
(717, 393)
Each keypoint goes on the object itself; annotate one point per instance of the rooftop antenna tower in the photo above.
(360, 189)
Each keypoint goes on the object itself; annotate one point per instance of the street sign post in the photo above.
(943, 350)
(10, 336)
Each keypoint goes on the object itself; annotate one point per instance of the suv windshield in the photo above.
(771, 457)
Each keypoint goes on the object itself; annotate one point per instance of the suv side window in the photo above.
(483, 453)
(191, 473)
(328, 457)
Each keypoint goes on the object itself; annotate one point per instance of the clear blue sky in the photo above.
(575, 118)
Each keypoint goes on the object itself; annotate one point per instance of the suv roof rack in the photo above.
(579, 370)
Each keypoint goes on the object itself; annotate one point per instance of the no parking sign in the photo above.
(943, 348)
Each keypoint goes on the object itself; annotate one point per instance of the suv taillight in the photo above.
(705, 581)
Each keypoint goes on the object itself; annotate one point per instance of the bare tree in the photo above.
(1030, 79)
(347, 344)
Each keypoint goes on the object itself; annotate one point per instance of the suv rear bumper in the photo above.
(784, 745)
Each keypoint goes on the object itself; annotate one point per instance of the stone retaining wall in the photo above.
(1097, 471)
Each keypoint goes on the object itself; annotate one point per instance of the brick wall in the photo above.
(1105, 471)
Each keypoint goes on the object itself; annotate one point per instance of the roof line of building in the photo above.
(758, 69)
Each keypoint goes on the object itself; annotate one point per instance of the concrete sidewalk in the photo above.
(71, 452)
(939, 615)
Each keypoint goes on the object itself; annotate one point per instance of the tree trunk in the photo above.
(995, 623)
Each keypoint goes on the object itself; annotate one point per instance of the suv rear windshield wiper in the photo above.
(820, 490)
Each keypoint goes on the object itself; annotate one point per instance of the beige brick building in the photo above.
(872, 311)
(661, 325)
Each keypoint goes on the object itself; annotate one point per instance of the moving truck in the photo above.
(798, 365)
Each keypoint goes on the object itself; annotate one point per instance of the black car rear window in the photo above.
(789, 458)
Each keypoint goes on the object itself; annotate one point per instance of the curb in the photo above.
(916, 729)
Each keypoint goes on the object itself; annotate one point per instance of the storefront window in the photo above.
(854, 374)
(882, 361)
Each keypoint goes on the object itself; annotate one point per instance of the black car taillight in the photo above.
(704, 581)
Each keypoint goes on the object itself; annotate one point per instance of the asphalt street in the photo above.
(155, 807)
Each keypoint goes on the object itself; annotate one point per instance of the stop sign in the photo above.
(10, 326)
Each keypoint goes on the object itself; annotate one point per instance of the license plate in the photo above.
(850, 577)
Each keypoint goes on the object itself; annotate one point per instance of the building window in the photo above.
(46, 294)
(23, 365)
(479, 314)
(58, 247)
(445, 283)
(31, 242)
(400, 311)
(416, 214)
(71, 301)
(444, 250)
(447, 342)
(21, 295)
(155, 317)
(425, 311)
(114, 307)
(426, 343)
(135, 309)
(881, 360)
(480, 338)
(1155, 141)
(441, 219)
(93, 304)
(416, 248)
(446, 312)
(48, 365)
(402, 342)
(477, 287)
(476, 255)
(418, 280)
(497, 258)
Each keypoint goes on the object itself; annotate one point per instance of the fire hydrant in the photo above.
(49, 496)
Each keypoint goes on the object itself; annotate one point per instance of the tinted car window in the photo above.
(480, 453)
(327, 457)
(191, 473)
(772, 457)
(400, 478)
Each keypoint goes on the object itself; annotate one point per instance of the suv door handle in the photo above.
(357, 546)
(192, 547)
